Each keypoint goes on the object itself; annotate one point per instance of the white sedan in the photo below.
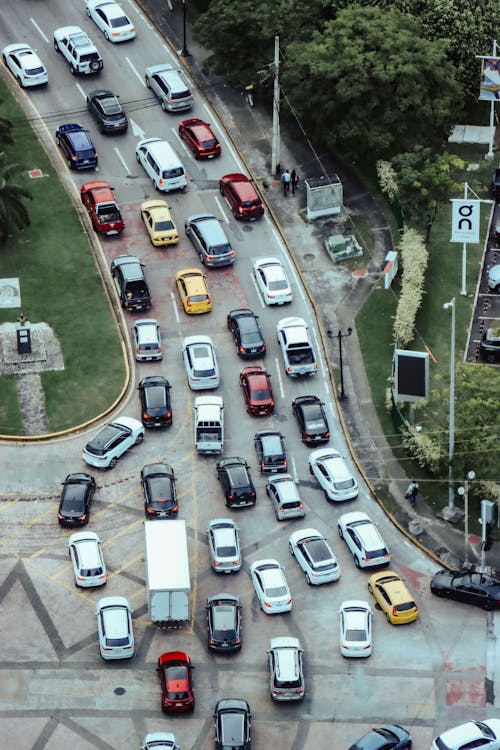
(355, 621)
(272, 281)
(270, 585)
(111, 19)
(333, 475)
(200, 362)
(479, 734)
(315, 556)
(25, 65)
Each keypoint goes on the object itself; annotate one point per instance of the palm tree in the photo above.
(13, 212)
(5, 130)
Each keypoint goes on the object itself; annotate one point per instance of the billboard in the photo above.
(410, 371)
(489, 86)
(465, 216)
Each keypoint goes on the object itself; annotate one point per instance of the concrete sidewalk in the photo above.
(337, 295)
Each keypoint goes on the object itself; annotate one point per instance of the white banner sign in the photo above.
(465, 215)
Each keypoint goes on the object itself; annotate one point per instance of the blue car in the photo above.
(77, 147)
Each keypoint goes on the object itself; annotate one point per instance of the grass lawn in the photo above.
(60, 285)
(374, 325)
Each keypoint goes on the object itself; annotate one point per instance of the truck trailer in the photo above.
(167, 572)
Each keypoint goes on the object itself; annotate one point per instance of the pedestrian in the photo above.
(294, 179)
(285, 179)
(411, 493)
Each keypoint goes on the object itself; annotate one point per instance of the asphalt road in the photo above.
(55, 691)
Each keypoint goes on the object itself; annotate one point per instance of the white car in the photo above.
(87, 560)
(355, 622)
(284, 495)
(111, 19)
(224, 545)
(315, 556)
(286, 670)
(147, 340)
(159, 741)
(270, 585)
(114, 628)
(332, 473)
(200, 362)
(112, 441)
(363, 539)
(477, 734)
(25, 65)
(494, 278)
(272, 281)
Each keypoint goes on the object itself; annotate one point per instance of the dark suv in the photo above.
(131, 285)
(271, 452)
(77, 147)
(244, 325)
(234, 476)
(105, 108)
(233, 720)
(490, 344)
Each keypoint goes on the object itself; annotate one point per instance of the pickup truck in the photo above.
(131, 285)
(296, 347)
(78, 49)
(99, 200)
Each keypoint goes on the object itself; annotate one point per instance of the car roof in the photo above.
(286, 487)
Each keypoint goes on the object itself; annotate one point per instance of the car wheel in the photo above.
(388, 618)
(69, 163)
(18, 78)
(290, 549)
(94, 65)
(56, 46)
(488, 606)
(370, 588)
(4, 59)
(439, 592)
(163, 105)
(106, 35)
(112, 463)
(497, 289)
(308, 580)
(220, 189)
(356, 561)
(72, 69)
(88, 12)
(148, 84)
(310, 469)
(341, 534)
(491, 358)
(326, 496)
(139, 439)
(202, 259)
(137, 158)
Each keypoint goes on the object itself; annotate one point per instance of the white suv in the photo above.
(114, 627)
(147, 340)
(286, 669)
(78, 49)
(363, 539)
(87, 560)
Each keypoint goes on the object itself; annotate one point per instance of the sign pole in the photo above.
(463, 291)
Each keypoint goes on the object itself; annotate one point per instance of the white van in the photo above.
(209, 424)
(161, 164)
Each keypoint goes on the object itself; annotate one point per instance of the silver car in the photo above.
(147, 340)
(315, 556)
(284, 496)
(224, 545)
(271, 587)
(286, 671)
(159, 741)
(209, 239)
(202, 370)
(169, 87)
(114, 628)
(87, 560)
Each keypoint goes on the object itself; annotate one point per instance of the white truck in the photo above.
(209, 424)
(296, 347)
(78, 49)
(167, 572)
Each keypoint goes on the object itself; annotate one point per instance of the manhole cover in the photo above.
(119, 691)
(247, 228)
(309, 256)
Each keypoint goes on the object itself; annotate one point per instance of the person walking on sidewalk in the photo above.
(285, 179)
(294, 179)
(411, 493)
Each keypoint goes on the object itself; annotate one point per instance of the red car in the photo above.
(242, 197)
(256, 384)
(174, 670)
(200, 138)
(99, 200)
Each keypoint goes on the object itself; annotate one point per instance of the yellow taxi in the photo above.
(393, 597)
(193, 291)
(159, 223)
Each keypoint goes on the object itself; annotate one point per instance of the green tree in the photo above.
(13, 212)
(5, 131)
(368, 83)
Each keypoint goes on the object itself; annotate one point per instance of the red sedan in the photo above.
(99, 200)
(244, 200)
(200, 138)
(257, 391)
(175, 673)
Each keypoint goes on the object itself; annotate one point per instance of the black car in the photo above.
(311, 418)
(131, 285)
(489, 346)
(244, 325)
(74, 508)
(234, 476)
(77, 147)
(270, 448)
(233, 720)
(467, 586)
(224, 622)
(386, 737)
(105, 108)
(495, 183)
(160, 497)
(154, 394)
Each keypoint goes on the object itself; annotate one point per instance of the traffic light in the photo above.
(488, 542)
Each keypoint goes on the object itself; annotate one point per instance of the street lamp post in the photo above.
(340, 336)
(451, 444)
(184, 50)
(464, 492)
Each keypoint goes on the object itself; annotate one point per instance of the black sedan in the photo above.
(386, 737)
(311, 418)
(467, 586)
(154, 393)
(160, 497)
(74, 508)
(105, 108)
(224, 623)
(234, 476)
(244, 325)
(232, 719)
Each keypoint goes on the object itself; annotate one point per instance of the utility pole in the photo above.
(451, 494)
(275, 154)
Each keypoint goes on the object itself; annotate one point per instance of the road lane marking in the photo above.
(37, 27)
(318, 349)
(219, 204)
(127, 170)
(294, 470)
(82, 92)
(280, 379)
(176, 312)
(259, 295)
(141, 79)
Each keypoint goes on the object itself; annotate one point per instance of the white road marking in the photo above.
(317, 349)
(259, 295)
(127, 170)
(219, 204)
(297, 284)
(141, 79)
(176, 312)
(294, 470)
(280, 379)
(136, 130)
(37, 27)
(82, 92)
